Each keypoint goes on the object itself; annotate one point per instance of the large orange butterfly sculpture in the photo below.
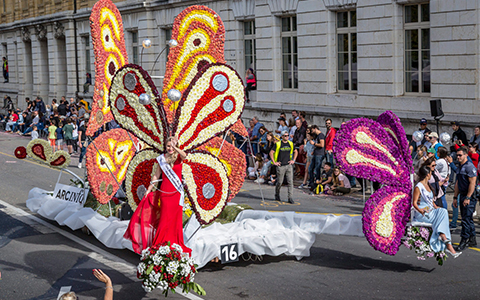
(212, 102)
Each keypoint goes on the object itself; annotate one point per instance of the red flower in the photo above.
(21, 152)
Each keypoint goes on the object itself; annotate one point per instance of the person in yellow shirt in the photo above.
(52, 135)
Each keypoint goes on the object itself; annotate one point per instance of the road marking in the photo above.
(127, 269)
(473, 248)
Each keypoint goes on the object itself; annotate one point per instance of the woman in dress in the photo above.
(341, 184)
(426, 211)
(158, 217)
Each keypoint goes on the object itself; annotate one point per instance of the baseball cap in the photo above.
(433, 134)
(423, 121)
(456, 123)
(284, 132)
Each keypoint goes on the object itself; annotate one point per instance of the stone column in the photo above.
(58, 66)
(70, 59)
(41, 76)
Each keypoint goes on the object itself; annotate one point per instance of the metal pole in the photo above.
(258, 182)
(199, 226)
(158, 56)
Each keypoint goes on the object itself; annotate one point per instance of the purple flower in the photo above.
(406, 244)
(418, 244)
(424, 233)
(430, 254)
(421, 258)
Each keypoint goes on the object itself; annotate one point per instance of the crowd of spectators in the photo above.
(63, 123)
(312, 150)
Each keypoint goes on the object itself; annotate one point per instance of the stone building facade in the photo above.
(334, 59)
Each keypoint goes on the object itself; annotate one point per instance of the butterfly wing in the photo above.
(212, 103)
(136, 105)
(206, 184)
(239, 128)
(232, 158)
(110, 54)
(139, 174)
(364, 149)
(107, 160)
(385, 217)
(200, 34)
(392, 124)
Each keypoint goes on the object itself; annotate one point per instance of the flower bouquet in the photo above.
(165, 267)
(417, 239)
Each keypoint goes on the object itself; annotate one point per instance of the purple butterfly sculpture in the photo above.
(378, 151)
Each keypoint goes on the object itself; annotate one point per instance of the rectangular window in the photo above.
(86, 40)
(347, 51)
(417, 48)
(168, 37)
(289, 53)
(134, 36)
(250, 51)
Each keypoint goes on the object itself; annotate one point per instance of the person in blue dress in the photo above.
(426, 211)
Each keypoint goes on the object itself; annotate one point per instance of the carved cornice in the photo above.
(283, 7)
(243, 9)
(338, 5)
(25, 34)
(59, 30)
(41, 32)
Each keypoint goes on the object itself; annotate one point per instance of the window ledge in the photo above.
(339, 5)
(409, 1)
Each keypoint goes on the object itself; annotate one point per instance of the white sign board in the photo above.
(70, 194)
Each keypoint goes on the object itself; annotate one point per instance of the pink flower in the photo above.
(430, 254)
(418, 244)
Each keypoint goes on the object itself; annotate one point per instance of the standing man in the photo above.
(329, 141)
(40, 105)
(283, 156)
(476, 136)
(62, 108)
(318, 155)
(5, 69)
(255, 134)
(463, 197)
(459, 137)
(423, 129)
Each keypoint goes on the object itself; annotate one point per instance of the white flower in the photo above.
(147, 288)
(145, 253)
(156, 260)
(177, 247)
(173, 264)
(141, 268)
(164, 250)
(162, 285)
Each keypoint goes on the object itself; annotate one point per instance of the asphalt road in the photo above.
(37, 260)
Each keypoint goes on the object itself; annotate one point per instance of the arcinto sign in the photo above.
(70, 194)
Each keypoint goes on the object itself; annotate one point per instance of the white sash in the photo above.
(172, 176)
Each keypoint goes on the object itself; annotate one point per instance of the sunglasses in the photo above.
(285, 135)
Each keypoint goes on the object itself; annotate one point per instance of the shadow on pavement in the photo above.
(329, 258)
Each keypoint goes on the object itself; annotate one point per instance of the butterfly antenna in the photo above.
(171, 44)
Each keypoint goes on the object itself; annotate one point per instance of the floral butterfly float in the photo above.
(378, 151)
(199, 33)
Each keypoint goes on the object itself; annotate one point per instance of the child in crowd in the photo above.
(59, 136)
(52, 135)
(34, 132)
(68, 135)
